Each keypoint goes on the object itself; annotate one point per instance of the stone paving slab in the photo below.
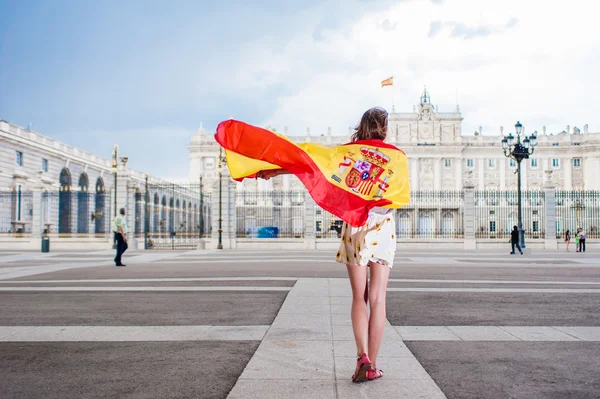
(482, 333)
(499, 333)
(427, 333)
(538, 333)
(269, 388)
(309, 351)
(131, 333)
(583, 333)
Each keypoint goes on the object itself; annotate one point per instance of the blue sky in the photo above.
(145, 74)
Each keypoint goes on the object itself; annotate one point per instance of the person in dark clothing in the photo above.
(514, 240)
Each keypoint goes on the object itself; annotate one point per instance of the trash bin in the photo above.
(45, 244)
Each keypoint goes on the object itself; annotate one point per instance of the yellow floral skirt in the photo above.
(373, 242)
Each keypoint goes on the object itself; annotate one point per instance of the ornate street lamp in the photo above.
(146, 211)
(201, 214)
(113, 169)
(222, 160)
(519, 151)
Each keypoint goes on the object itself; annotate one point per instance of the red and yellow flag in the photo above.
(388, 82)
(346, 180)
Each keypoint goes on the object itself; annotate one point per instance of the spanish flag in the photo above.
(388, 82)
(346, 180)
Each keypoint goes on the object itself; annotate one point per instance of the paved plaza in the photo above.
(276, 324)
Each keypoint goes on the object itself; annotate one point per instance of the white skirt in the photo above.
(373, 242)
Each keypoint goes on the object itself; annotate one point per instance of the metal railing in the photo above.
(270, 214)
(173, 216)
(577, 209)
(496, 213)
(431, 215)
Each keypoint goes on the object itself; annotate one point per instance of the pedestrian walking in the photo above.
(367, 251)
(514, 240)
(119, 228)
(581, 236)
(577, 241)
(568, 239)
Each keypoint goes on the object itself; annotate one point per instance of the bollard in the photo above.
(45, 242)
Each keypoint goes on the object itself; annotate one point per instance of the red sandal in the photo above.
(363, 366)
(374, 373)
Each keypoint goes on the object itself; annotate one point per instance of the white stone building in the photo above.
(441, 157)
(46, 185)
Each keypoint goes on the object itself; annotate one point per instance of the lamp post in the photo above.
(115, 157)
(146, 211)
(519, 151)
(201, 221)
(220, 243)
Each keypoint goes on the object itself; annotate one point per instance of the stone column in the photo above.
(568, 181)
(36, 217)
(470, 242)
(310, 241)
(286, 182)
(549, 196)
(458, 170)
(481, 173)
(228, 214)
(524, 166)
(414, 174)
(437, 174)
(214, 214)
(502, 166)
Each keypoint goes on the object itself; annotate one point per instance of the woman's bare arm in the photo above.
(268, 174)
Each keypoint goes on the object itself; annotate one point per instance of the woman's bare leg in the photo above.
(377, 291)
(360, 317)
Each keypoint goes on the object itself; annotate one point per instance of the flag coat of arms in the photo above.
(346, 180)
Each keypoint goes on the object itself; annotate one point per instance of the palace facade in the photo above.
(441, 157)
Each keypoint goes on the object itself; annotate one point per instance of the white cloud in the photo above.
(509, 60)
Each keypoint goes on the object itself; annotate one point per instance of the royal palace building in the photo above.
(463, 192)
(442, 158)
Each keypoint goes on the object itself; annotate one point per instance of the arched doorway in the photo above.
(156, 215)
(183, 218)
(448, 229)
(163, 215)
(83, 205)
(171, 215)
(403, 225)
(425, 224)
(64, 202)
(100, 212)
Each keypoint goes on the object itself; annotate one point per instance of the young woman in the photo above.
(367, 249)
(568, 239)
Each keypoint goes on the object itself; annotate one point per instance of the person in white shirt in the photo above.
(119, 228)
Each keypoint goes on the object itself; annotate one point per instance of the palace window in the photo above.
(536, 226)
(512, 163)
(44, 165)
(447, 163)
(534, 163)
(19, 158)
(492, 226)
(491, 163)
(555, 163)
(576, 162)
(469, 163)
